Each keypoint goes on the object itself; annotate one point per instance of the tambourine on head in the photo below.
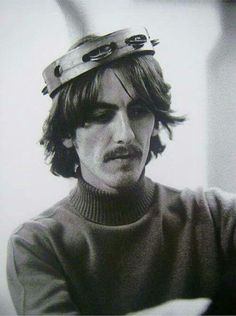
(95, 52)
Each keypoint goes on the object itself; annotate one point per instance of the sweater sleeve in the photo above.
(222, 206)
(36, 281)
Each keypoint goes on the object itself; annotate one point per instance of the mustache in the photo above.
(129, 150)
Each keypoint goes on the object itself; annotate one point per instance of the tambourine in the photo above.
(94, 53)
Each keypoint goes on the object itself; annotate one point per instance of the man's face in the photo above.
(113, 144)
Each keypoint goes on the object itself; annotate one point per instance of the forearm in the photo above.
(177, 307)
(36, 284)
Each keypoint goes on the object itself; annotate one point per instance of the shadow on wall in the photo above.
(222, 104)
(75, 17)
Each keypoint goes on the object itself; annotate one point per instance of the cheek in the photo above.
(82, 143)
(144, 129)
(90, 142)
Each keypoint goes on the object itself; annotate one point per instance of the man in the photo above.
(119, 243)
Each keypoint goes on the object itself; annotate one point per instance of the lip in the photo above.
(122, 157)
(122, 153)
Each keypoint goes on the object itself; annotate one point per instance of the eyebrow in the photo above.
(107, 105)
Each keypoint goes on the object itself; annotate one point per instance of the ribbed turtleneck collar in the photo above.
(112, 209)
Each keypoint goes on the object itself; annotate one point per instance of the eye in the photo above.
(99, 116)
(138, 111)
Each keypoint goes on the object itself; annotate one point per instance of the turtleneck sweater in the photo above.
(98, 253)
(112, 209)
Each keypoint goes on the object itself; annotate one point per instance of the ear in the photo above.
(67, 142)
(155, 131)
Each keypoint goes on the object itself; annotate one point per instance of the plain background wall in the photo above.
(34, 33)
(221, 110)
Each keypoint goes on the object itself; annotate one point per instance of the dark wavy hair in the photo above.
(70, 102)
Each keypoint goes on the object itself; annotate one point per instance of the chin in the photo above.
(124, 181)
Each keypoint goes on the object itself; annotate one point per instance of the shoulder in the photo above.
(212, 203)
(48, 223)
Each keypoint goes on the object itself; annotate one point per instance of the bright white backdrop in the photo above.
(33, 33)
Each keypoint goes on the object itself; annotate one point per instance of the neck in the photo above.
(116, 187)
(105, 208)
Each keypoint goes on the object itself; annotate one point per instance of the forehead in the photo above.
(115, 89)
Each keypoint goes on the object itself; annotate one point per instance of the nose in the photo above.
(122, 129)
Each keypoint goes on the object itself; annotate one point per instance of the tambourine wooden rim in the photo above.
(94, 53)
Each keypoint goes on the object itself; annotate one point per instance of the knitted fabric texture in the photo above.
(95, 253)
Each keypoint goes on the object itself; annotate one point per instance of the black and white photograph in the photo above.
(118, 157)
